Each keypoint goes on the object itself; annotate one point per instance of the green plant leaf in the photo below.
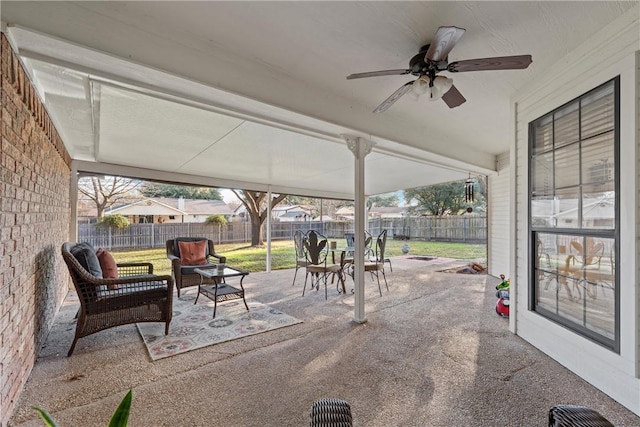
(121, 416)
(46, 417)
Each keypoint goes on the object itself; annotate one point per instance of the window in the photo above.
(573, 214)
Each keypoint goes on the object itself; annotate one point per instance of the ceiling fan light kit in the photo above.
(431, 60)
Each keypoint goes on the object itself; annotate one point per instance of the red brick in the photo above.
(34, 177)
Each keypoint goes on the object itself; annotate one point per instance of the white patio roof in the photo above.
(253, 94)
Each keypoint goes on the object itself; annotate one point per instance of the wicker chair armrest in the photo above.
(221, 258)
(134, 268)
(173, 257)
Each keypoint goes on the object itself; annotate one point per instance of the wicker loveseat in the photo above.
(137, 295)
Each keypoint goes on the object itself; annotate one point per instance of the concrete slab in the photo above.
(433, 353)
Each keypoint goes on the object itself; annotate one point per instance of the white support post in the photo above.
(360, 148)
(269, 230)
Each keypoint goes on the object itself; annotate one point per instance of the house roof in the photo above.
(388, 209)
(196, 207)
(265, 107)
(171, 206)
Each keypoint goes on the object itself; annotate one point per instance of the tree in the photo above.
(382, 200)
(117, 221)
(107, 191)
(439, 199)
(256, 204)
(480, 192)
(153, 189)
(319, 207)
(216, 219)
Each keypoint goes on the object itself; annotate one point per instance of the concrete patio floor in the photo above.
(433, 353)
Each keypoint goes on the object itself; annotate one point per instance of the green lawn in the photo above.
(283, 255)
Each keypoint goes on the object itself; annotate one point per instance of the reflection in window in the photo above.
(573, 219)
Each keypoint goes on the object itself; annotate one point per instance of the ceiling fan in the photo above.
(431, 60)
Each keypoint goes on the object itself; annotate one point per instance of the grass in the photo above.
(242, 256)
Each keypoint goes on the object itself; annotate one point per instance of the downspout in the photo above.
(513, 229)
(73, 202)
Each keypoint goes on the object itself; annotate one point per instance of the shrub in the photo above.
(216, 219)
(114, 221)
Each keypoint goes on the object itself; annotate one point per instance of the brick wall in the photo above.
(34, 221)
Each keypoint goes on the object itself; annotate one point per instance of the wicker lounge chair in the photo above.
(184, 275)
(137, 295)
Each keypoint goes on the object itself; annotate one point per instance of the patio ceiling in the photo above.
(253, 94)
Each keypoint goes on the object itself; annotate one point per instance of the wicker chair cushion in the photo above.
(108, 266)
(86, 256)
(129, 288)
(177, 240)
(193, 253)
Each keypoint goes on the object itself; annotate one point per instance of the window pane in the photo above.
(598, 159)
(598, 206)
(600, 310)
(567, 201)
(566, 125)
(549, 254)
(567, 166)
(542, 173)
(597, 112)
(543, 131)
(569, 302)
(542, 211)
(546, 290)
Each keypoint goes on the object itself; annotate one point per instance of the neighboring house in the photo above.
(291, 213)
(160, 210)
(284, 213)
(384, 212)
(345, 213)
(87, 212)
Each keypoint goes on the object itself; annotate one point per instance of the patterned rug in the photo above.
(193, 326)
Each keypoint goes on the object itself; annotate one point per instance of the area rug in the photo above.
(193, 326)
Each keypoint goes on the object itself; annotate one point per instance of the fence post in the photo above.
(109, 234)
(464, 229)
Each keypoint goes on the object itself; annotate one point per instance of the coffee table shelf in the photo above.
(221, 291)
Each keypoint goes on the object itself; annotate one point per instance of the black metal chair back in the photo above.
(316, 248)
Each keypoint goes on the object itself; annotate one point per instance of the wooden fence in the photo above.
(465, 229)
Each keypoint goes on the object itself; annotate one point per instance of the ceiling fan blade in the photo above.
(378, 73)
(453, 97)
(517, 62)
(393, 98)
(445, 39)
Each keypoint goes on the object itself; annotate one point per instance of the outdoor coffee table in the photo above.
(220, 291)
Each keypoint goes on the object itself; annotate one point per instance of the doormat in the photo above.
(423, 258)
